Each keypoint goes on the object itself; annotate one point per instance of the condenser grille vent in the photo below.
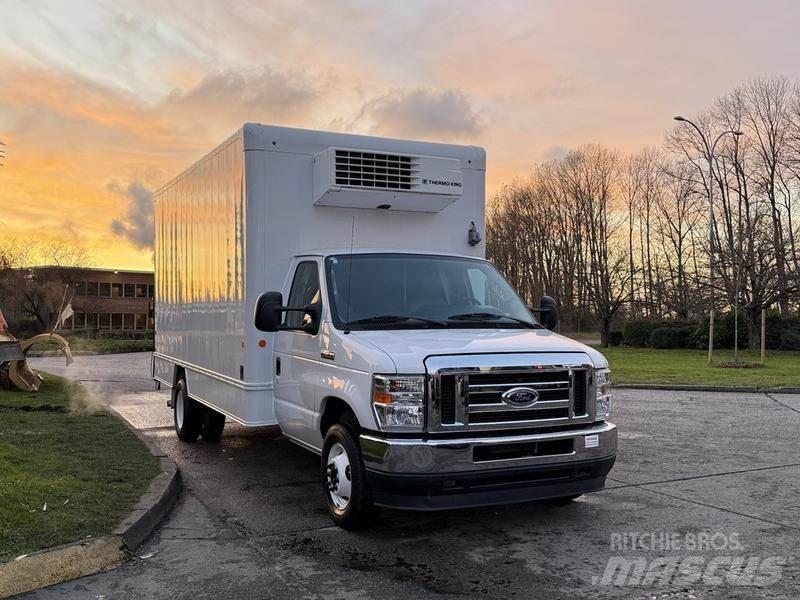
(375, 171)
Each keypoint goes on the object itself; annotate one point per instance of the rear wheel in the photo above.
(187, 413)
(344, 480)
(213, 424)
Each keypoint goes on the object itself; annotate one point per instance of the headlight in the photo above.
(399, 402)
(602, 384)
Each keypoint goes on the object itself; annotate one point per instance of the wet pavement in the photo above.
(702, 503)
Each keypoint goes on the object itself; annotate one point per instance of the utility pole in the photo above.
(710, 155)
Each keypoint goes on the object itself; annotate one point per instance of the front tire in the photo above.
(187, 413)
(344, 480)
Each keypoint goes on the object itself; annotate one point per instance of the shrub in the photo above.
(637, 332)
(615, 338)
(724, 331)
(790, 340)
(671, 337)
(778, 327)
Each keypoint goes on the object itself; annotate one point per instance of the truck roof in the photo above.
(339, 251)
(275, 138)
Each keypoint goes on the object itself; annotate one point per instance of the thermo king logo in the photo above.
(441, 182)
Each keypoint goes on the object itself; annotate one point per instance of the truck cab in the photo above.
(426, 383)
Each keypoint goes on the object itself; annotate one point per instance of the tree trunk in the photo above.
(605, 333)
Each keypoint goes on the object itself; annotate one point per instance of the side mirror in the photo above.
(548, 312)
(268, 311)
(313, 311)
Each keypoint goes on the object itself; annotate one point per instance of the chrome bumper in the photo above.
(440, 474)
(440, 456)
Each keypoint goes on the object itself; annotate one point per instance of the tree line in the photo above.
(615, 236)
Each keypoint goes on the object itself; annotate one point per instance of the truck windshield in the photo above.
(411, 291)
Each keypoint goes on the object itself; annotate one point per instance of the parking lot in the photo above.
(703, 502)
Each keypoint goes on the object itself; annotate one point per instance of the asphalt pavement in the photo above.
(703, 503)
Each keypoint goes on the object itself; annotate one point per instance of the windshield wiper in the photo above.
(487, 316)
(395, 319)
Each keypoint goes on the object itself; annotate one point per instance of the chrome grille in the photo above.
(485, 390)
(472, 399)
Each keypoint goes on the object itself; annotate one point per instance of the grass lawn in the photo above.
(645, 365)
(68, 469)
(102, 345)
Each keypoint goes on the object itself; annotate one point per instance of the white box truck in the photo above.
(335, 285)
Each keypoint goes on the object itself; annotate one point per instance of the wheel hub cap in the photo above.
(179, 409)
(338, 477)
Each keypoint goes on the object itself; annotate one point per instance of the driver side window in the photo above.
(305, 290)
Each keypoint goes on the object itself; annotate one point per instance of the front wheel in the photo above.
(344, 480)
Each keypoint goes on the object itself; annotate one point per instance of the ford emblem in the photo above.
(520, 397)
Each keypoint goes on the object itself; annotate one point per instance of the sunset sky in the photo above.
(102, 102)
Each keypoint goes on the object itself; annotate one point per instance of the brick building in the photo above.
(115, 300)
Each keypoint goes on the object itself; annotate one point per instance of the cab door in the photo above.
(296, 358)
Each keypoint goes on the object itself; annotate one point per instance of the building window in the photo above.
(116, 290)
(128, 321)
(130, 290)
(151, 289)
(141, 321)
(79, 320)
(105, 320)
(80, 288)
(91, 320)
(141, 290)
(116, 321)
(105, 289)
(91, 289)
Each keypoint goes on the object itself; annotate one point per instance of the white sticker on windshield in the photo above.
(592, 441)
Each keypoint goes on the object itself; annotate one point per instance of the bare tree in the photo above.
(38, 294)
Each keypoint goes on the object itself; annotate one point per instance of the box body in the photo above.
(228, 227)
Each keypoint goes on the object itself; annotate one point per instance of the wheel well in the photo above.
(180, 373)
(334, 411)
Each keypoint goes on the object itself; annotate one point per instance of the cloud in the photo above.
(554, 152)
(422, 113)
(243, 95)
(136, 225)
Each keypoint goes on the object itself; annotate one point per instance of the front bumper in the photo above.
(436, 474)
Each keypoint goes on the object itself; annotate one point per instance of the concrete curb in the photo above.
(707, 388)
(87, 557)
(156, 502)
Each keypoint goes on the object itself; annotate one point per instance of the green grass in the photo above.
(645, 365)
(101, 345)
(58, 448)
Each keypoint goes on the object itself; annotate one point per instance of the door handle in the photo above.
(327, 354)
(277, 366)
